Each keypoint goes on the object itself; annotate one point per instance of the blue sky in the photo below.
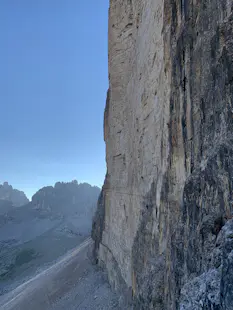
(53, 84)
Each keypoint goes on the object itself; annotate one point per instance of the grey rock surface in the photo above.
(168, 128)
(213, 289)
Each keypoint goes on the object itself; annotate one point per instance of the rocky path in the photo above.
(72, 283)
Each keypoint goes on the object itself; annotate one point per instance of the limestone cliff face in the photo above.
(169, 152)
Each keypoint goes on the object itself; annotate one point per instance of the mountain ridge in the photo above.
(15, 196)
(56, 220)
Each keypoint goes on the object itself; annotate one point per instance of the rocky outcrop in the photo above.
(213, 288)
(9, 194)
(67, 197)
(168, 129)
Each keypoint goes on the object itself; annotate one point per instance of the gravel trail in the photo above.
(72, 283)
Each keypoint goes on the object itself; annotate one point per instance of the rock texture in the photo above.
(168, 127)
(213, 288)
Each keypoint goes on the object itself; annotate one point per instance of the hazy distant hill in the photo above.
(57, 219)
(9, 194)
(66, 198)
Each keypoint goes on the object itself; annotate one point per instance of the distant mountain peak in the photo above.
(15, 196)
(65, 196)
(6, 185)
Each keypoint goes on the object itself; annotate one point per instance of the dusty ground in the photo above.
(72, 283)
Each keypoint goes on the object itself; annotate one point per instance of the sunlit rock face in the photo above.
(169, 149)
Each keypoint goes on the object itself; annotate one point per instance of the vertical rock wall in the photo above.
(169, 150)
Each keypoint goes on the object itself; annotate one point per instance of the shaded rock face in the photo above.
(98, 225)
(213, 288)
(169, 151)
(65, 197)
(9, 194)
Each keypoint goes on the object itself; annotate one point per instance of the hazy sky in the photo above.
(53, 83)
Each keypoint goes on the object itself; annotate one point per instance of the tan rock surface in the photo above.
(168, 132)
